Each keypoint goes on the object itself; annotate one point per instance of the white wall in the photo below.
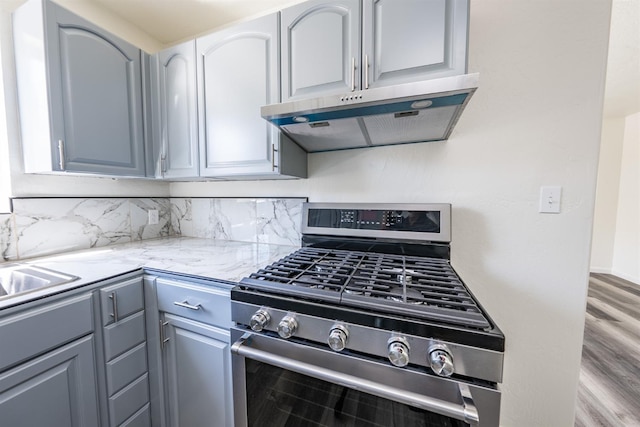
(607, 190)
(20, 184)
(534, 121)
(5, 175)
(626, 251)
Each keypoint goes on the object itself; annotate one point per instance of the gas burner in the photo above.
(405, 295)
(403, 276)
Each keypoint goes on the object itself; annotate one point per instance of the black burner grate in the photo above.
(426, 288)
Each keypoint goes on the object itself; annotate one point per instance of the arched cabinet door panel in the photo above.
(411, 40)
(175, 111)
(80, 94)
(320, 48)
(237, 74)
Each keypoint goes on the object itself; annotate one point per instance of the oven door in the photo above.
(280, 382)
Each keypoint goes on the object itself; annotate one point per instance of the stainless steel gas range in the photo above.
(367, 324)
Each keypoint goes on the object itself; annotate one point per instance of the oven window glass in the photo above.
(280, 398)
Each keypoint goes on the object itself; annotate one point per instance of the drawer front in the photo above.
(199, 303)
(123, 299)
(41, 329)
(124, 335)
(125, 368)
(142, 418)
(129, 400)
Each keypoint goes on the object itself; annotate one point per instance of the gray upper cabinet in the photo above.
(175, 111)
(320, 48)
(333, 47)
(411, 40)
(80, 94)
(238, 72)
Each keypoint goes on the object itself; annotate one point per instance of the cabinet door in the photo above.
(320, 48)
(411, 40)
(56, 389)
(197, 374)
(96, 97)
(174, 97)
(237, 74)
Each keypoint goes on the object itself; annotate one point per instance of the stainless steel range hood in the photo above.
(412, 112)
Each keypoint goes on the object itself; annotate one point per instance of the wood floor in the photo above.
(609, 389)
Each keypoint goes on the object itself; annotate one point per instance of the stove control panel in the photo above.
(374, 219)
(442, 358)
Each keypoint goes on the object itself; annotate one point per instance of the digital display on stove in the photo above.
(415, 221)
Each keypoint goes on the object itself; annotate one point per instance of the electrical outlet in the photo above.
(153, 216)
(550, 199)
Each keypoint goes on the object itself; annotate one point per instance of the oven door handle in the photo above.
(464, 411)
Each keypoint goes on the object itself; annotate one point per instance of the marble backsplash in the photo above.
(44, 226)
(275, 221)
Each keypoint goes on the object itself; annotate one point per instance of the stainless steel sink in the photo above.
(15, 279)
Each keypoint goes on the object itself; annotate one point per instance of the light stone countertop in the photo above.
(222, 260)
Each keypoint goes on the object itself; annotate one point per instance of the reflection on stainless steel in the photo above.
(18, 278)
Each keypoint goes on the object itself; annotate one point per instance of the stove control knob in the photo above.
(287, 326)
(259, 320)
(398, 351)
(441, 360)
(338, 337)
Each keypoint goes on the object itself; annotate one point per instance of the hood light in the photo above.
(300, 119)
(422, 104)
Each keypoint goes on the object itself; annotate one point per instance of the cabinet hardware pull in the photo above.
(273, 157)
(61, 154)
(185, 304)
(366, 71)
(114, 305)
(353, 74)
(163, 340)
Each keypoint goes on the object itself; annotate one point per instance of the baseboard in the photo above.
(600, 270)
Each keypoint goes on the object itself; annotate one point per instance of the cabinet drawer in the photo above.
(208, 304)
(121, 300)
(125, 368)
(41, 329)
(128, 401)
(142, 418)
(120, 337)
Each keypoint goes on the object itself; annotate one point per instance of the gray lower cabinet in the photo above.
(338, 46)
(238, 72)
(80, 94)
(175, 111)
(55, 389)
(193, 363)
(197, 374)
(78, 358)
(122, 363)
(47, 364)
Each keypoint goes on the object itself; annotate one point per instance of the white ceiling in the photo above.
(170, 21)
